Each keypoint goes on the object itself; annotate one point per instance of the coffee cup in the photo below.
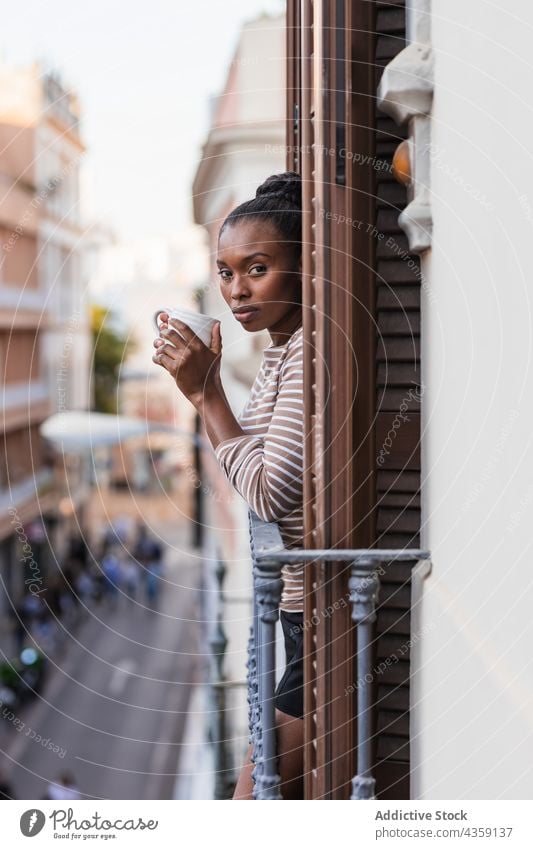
(199, 323)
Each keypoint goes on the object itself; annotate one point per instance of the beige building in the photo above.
(245, 144)
(44, 331)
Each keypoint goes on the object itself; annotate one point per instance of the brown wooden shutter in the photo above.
(339, 403)
(398, 384)
(361, 316)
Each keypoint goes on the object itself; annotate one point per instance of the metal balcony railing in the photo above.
(268, 555)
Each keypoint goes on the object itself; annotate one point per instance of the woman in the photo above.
(259, 266)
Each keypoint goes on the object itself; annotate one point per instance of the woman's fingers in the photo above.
(187, 359)
(161, 358)
(170, 335)
(185, 335)
(166, 355)
(162, 320)
(216, 339)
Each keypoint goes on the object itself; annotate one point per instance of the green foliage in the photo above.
(110, 349)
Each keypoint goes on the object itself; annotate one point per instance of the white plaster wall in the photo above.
(472, 719)
(260, 61)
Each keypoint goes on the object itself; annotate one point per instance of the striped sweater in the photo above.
(265, 466)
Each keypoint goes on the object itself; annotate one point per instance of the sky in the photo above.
(144, 73)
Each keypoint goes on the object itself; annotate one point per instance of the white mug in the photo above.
(199, 323)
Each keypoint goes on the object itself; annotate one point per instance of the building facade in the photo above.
(460, 91)
(245, 144)
(45, 340)
(417, 212)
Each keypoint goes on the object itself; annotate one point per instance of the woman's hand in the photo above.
(196, 371)
(193, 365)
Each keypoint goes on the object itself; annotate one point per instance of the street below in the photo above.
(114, 706)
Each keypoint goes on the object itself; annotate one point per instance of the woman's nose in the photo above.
(239, 287)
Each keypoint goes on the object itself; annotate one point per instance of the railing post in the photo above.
(256, 726)
(250, 680)
(218, 642)
(267, 585)
(364, 590)
(268, 553)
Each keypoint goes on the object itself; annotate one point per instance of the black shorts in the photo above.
(289, 694)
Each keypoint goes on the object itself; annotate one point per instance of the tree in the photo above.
(110, 349)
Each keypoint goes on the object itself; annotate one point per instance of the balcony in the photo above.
(30, 497)
(268, 555)
(25, 403)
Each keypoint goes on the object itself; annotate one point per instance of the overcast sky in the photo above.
(144, 73)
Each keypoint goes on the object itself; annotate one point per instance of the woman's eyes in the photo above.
(226, 274)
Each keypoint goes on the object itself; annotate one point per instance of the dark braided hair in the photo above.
(279, 200)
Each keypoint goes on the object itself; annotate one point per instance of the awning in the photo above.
(78, 431)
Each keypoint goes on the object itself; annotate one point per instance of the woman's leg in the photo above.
(289, 734)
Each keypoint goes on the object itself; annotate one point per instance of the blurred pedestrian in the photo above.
(98, 580)
(85, 587)
(78, 550)
(6, 790)
(153, 576)
(120, 530)
(64, 788)
(19, 627)
(111, 571)
(140, 546)
(130, 575)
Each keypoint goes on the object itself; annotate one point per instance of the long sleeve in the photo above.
(266, 467)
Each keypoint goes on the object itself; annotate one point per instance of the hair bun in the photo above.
(287, 187)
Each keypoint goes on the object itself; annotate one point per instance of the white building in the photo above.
(465, 88)
(245, 145)
(42, 286)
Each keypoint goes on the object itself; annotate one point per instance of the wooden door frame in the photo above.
(339, 358)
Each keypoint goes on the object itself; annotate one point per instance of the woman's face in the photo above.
(260, 278)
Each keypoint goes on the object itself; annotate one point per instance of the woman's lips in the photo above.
(244, 317)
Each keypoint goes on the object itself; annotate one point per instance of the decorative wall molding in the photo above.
(406, 86)
(405, 93)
